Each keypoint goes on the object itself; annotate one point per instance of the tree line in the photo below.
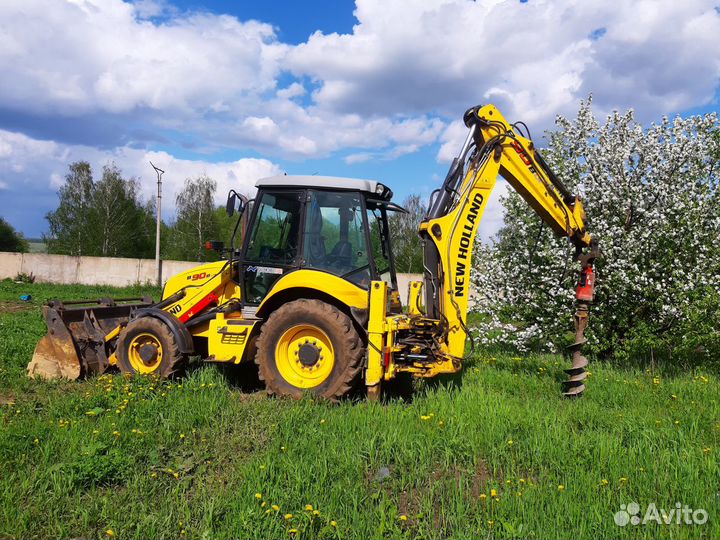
(107, 217)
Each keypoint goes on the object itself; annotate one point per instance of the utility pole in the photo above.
(158, 268)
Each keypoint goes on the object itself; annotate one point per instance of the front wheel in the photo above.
(309, 345)
(147, 347)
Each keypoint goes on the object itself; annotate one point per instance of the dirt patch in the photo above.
(480, 478)
(15, 307)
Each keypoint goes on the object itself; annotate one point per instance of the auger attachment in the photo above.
(584, 294)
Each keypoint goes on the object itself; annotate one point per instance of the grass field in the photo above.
(493, 453)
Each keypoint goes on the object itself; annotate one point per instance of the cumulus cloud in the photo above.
(100, 55)
(113, 79)
(533, 59)
(397, 79)
(34, 169)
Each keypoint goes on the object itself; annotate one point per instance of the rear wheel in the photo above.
(309, 345)
(147, 347)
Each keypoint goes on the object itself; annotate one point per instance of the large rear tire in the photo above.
(147, 347)
(309, 346)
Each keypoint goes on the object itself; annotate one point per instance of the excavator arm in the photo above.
(494, 148)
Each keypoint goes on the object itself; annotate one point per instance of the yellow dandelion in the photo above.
(322, 421)
(483, 496)
(425, 417)
(288, 516)
(402, 517)
(182, 435)
(673, 396)
(36, 441)
(176, 475)
(561, 487)
(623, 480)
(116, 433)
(706, 450)
(153, 475)
(510, 442)
(491, 522)
(316, 513)
(333, 523)
(309, 507)
(604, 482)
(275, 507)
(263, 504)
(522, 480)
(258, 496)
(292, 531)
(493, 492)
(110, 533)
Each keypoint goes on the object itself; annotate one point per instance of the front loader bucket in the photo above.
(75, 343)
(55, 356)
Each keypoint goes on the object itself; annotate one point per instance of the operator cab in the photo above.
(329, 224)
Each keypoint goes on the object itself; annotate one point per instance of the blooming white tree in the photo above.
(652, 200)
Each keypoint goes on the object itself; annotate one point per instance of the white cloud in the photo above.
(533, 59)
(146, 72)
(98, 55)
(403, 72)
(44, 165)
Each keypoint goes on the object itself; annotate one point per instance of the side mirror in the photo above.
(230, 205)
(214, 245)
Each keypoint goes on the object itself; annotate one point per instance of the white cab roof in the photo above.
(332, 182)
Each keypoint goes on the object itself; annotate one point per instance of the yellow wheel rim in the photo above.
(145, 353)
(304, 356)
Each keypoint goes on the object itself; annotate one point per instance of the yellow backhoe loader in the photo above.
(311, 295)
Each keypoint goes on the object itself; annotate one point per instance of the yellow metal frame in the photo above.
(346, 292)
(228, 337)
(454, 233)
(377, 332)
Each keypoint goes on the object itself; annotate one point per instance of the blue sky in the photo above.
(373, 88)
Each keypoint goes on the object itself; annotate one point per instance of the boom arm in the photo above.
(493, 148)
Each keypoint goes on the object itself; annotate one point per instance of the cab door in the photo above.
(272, 247)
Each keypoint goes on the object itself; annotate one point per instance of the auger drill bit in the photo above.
(575, 384)
(584, 294)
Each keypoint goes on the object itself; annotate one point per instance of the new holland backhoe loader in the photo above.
(311, 294)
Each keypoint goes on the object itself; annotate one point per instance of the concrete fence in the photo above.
(114, 271)
(87, 270)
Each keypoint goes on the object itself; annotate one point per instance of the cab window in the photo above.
(274, 238)
(380, 245)
(273, 243)
(334, 236)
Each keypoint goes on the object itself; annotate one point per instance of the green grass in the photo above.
(151, 459)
